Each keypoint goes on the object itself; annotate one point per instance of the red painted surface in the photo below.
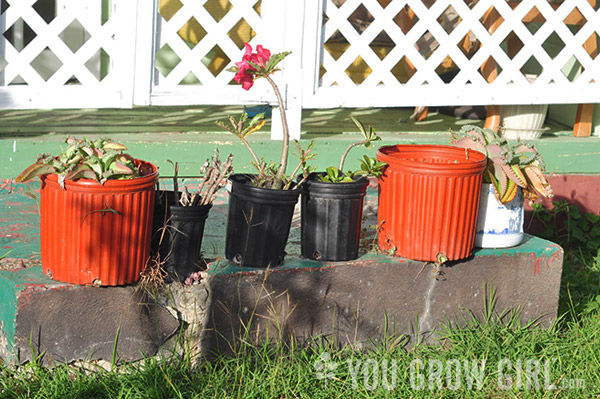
(536, 264)
(428, 200)
(97, 232)
(26, 296)
(580, 190)
(538, 259)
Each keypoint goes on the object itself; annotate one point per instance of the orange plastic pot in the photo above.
(428, 200)
(96, 234)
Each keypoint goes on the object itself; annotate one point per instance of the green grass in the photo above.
(568, 357)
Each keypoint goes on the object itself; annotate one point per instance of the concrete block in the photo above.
(361, 301)
(68, 322)
(351, 303)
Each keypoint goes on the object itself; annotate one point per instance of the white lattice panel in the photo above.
(198, 40)
(367, 53)
(65, 58)
(373, 54)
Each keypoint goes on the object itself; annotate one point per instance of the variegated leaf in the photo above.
(37, 169)
(500, 180)
(537, 179)
(510, 193)
(81, 171)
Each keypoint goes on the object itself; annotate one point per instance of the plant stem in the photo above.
(300, 165)
(345, 154)
(256, 160)
(175, 185)
(217, 177)
(278, 183)
(293, 174)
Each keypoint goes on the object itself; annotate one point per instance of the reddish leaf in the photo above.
(537, 179)
(517, 179)
(81, 171)
(468, 142)
(37, 169)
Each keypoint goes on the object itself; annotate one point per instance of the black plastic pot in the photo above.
(332, 218)
(258, 223)
(180, 242)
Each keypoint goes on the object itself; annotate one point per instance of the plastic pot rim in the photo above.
(245, 188)
(397, 156)
(358, 187)
(109, 186)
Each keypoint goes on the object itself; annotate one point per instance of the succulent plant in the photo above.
(509, 166)
(99, 160)
(368, 166)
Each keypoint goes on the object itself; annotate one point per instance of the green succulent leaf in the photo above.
(108, 159)
(333, 172)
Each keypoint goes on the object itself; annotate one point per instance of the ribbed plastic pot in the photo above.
(180, 242)
(258, 223)
(96, 234)
(499, 225)
(331, 218)
(523, 122)
(428, 200)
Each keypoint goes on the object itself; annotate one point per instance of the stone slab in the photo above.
(362, 301)
(66, 322)
(355, 303)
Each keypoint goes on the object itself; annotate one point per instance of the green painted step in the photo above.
(189, 136)
(562, 154)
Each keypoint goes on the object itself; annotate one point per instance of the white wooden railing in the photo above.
(345, 53)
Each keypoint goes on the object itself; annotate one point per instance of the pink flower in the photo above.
(245, 74)
(244, 77)
(248, 52)
(261, 56)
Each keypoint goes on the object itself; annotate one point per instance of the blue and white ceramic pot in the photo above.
(499, 225)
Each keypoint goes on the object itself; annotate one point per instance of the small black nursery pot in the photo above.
(332, 218)
(180, 242)
(258, 223)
